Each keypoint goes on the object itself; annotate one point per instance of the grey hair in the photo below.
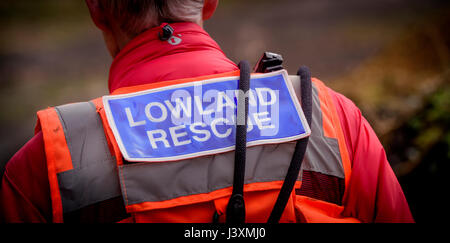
(136, 16)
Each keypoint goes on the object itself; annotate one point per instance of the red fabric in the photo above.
(25, 191)
(146, 59)
(375, 194)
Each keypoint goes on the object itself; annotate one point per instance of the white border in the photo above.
(116, 133)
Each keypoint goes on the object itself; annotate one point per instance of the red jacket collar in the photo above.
(147, 59)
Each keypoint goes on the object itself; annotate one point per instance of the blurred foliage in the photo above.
(50, 54)
(404, 92)
(29, 11)
(391, 86)
(426, 129)
(424, 142)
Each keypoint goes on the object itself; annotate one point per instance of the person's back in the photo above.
(345, 175)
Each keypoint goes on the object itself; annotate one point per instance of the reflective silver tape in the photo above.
(154, 182)
(94, 175)
(322, 154)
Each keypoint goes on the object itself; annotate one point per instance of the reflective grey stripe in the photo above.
(153, 182)
(322, 154)
(94, 175)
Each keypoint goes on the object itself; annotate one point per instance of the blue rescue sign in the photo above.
(198, 118)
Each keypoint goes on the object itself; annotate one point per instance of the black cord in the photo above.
(300, 149)
(236, 205)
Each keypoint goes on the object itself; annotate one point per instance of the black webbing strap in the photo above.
(300, 148)
(236, 207)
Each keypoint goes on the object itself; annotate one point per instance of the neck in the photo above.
(147, 59)
(118, 39)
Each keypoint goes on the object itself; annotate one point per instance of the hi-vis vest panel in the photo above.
(86, 166)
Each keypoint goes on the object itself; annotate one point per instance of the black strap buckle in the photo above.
(269, 62)
(165, 33)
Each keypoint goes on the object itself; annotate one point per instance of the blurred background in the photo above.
(391, 57)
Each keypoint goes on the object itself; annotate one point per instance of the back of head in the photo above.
(135, 16)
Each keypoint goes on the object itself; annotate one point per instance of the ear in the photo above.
(98, 15)
(209, 7)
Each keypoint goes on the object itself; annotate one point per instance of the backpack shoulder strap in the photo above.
(300, 148)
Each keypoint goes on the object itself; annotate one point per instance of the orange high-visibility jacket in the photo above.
(85, 166)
